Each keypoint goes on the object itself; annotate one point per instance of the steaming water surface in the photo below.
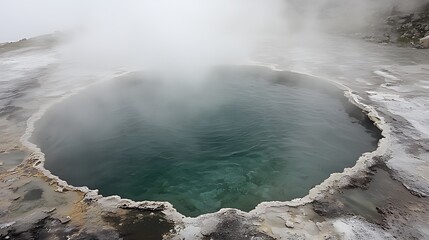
(240, 137)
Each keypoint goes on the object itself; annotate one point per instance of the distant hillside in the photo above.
(43, 41)
(402, 28)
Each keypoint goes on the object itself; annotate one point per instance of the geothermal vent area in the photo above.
(203, 119)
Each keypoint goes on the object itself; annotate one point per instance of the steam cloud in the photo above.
(183, 35)
(179, 35)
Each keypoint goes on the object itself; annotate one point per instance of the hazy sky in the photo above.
(26, 18)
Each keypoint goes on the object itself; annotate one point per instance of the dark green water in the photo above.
(244, 136)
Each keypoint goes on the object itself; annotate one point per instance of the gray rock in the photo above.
(65, 220)
(425, 42)
(408, 25)
(402, 20)
(289, 224)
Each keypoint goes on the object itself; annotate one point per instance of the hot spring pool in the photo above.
(242, 136)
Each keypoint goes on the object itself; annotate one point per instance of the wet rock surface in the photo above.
(137, 223)
(234, 226)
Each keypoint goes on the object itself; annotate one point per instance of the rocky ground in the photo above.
(404, 29)
(383, 197)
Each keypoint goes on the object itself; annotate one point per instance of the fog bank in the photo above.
(184, 35)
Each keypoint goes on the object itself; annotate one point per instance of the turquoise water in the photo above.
(240, 137)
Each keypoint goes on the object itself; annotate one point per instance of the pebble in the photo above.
(65, 220)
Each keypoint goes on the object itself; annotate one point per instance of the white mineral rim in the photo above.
(330, 185)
